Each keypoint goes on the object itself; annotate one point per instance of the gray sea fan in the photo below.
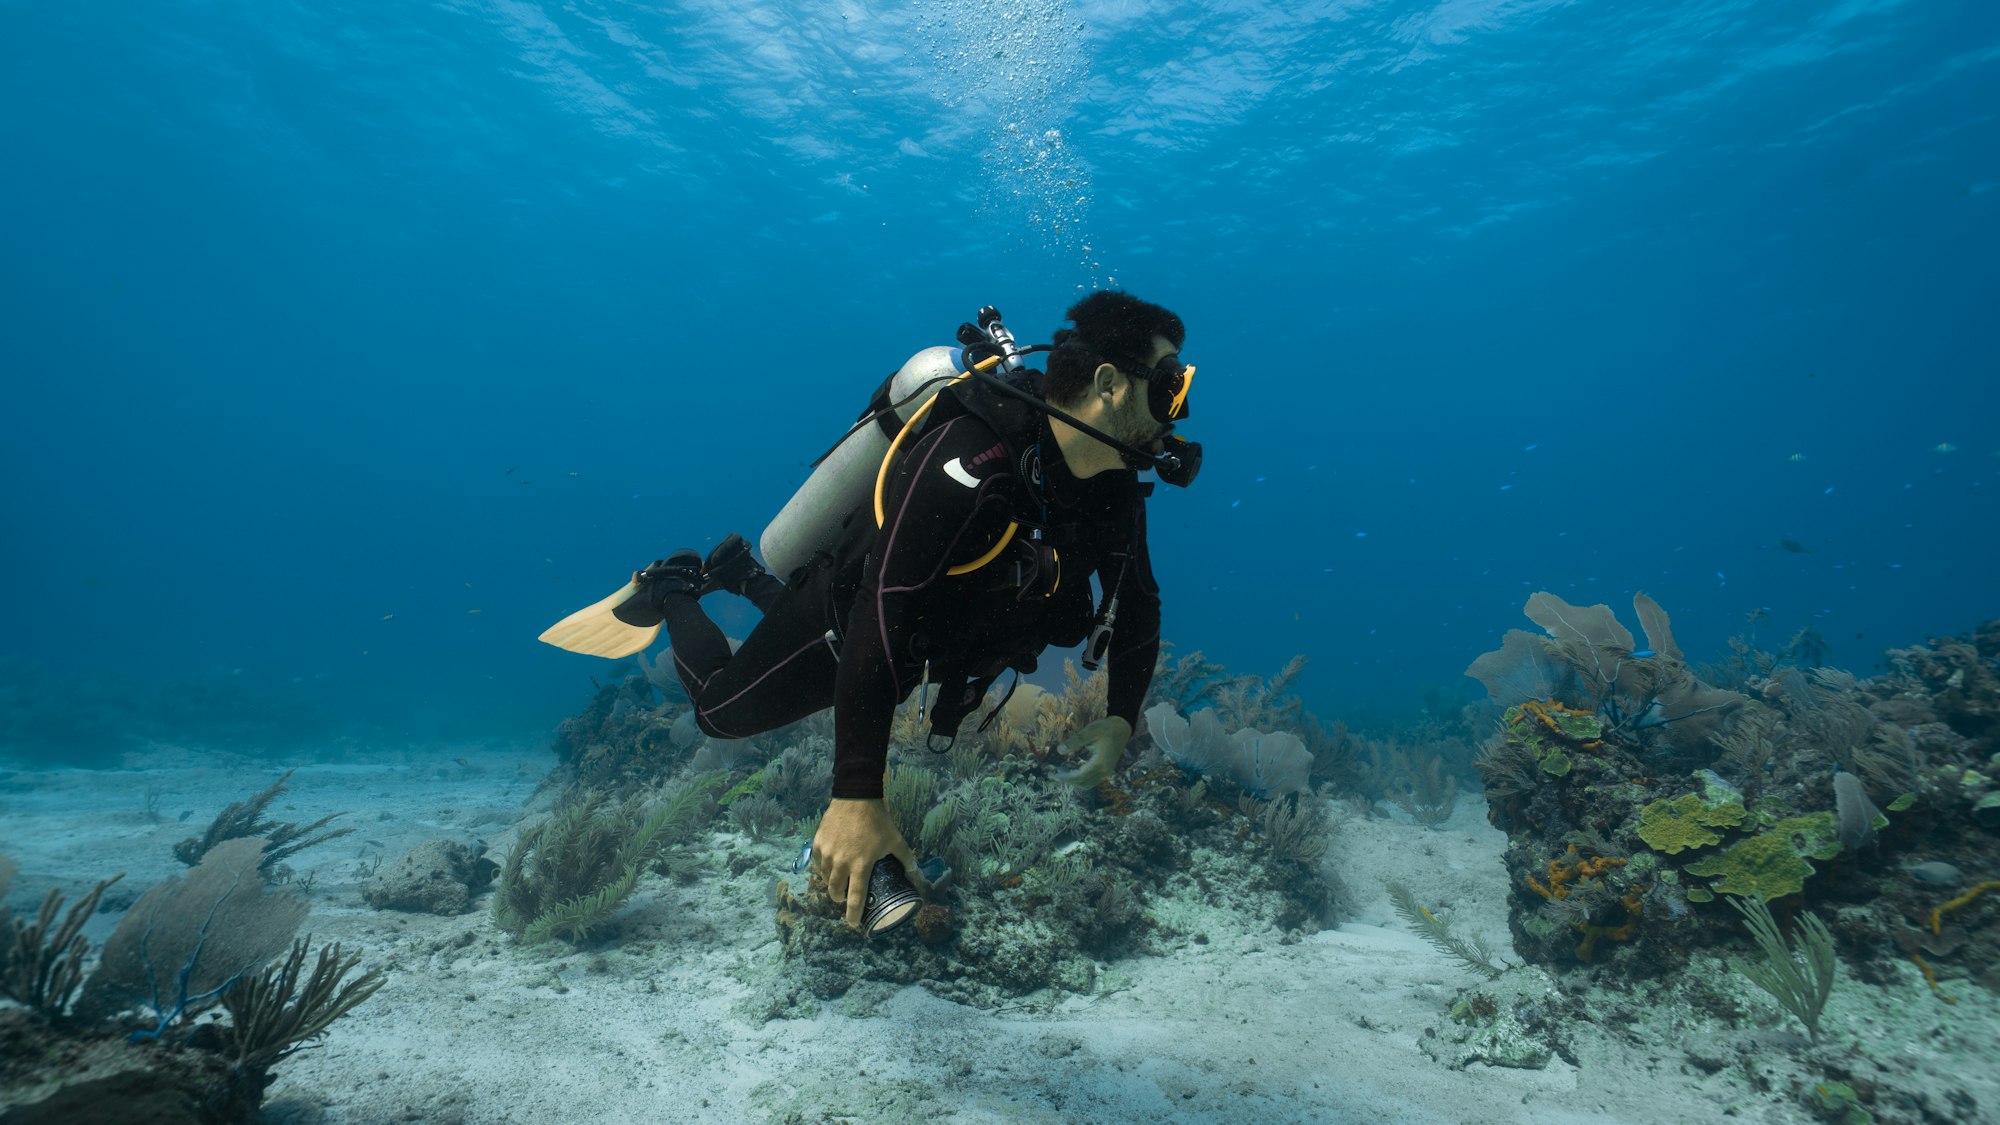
(1519, 670)
(1853, 811)
(188, 939)
(1264, 764)
(1196, 745)
(1269, 765)
(665, 680)
(722, 754)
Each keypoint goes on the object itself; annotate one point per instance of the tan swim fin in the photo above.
(596, 629)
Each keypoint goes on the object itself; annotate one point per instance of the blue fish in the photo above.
(1643, 653)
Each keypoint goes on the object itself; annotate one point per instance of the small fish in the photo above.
(510, 471)
(1944, 447)
(1793, 545)
(1937, 873)
(388, 617)
(1796, 458)
(1641, 654)
(475, 611)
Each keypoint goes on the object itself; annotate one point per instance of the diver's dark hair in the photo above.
(1111, 327)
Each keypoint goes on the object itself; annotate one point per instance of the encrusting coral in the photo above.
(1772, 864)
(1686, 822)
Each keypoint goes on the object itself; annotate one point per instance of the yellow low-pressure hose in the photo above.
(889, 458)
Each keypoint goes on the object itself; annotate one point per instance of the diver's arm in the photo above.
(932, 519)
(1135, 638)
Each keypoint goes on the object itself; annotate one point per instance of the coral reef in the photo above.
(1589, 661)
(1049, 879)
(129, 1048)
(1806, 788)
(625, 739)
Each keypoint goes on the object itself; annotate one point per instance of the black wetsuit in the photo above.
(890, 605)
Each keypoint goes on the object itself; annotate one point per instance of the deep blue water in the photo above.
(327, 325)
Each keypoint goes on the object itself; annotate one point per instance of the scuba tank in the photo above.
(842, 479)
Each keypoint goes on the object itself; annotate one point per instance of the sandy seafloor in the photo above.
(654, 1023)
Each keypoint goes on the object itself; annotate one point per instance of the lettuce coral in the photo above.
(1772, 864)
(1686, 822)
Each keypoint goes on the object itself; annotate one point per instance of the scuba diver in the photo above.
(948, 537)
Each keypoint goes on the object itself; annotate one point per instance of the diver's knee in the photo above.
(707, 724)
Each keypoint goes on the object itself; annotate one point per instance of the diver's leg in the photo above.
(783, 672)
(700, 650)
(676, 586)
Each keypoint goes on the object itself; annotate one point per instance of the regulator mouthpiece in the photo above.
(1179, 463)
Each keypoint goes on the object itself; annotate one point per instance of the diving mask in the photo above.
(1167, 385)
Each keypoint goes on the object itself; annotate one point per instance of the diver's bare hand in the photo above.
(852, 837)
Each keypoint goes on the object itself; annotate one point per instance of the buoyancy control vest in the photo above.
(1027, 563)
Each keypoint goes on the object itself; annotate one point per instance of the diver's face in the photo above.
(1135, 423)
